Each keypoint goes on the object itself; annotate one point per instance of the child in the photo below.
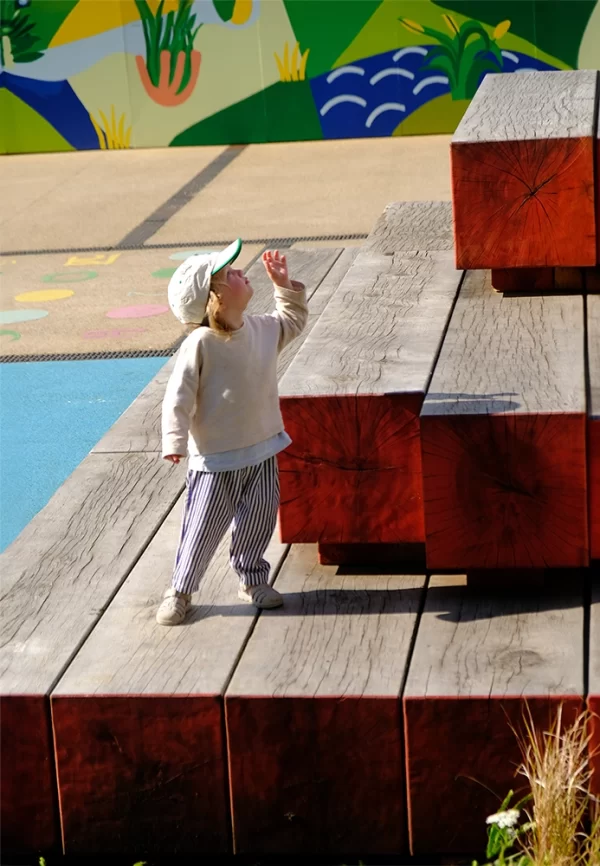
(221, 407)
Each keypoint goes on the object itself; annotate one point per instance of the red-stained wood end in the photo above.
(594, 485)
(353, 471)
(141, 775)
(505, 491)
(524, 204)
(461, 757)
(28, 783)
(316, 775)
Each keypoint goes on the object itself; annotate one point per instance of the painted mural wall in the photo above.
(100, 74)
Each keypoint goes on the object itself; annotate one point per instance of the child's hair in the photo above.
(213, 307)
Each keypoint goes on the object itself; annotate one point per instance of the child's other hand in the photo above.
(173, 458)
(277, 269)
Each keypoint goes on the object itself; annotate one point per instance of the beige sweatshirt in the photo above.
(222, 394)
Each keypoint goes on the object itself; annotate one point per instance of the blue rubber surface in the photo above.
(52, 414)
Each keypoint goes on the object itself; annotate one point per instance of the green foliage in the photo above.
(327, 27)
(175, 33)
(503, 834)
(16, 25)
(554, 26)
(465, 55)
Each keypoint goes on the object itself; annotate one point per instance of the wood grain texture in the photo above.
(27, 779)
(353, 471)
(317, 693)
(597, 191)
(139, 428)
(522, 162)
(503, 434)
(58, 576)
(593, 467)
(412, 225)
(351, 398)
(479, 660)
(593, 347)
(158, 693)
(141, 775)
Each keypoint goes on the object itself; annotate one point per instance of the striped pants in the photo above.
(245, 499)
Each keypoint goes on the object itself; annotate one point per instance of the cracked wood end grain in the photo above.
(522, 164)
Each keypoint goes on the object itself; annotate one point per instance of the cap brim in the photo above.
(227, 256)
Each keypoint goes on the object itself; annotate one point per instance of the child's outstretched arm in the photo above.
(180, 398)
(291, 308)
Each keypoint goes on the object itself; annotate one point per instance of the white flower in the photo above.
(504, 820)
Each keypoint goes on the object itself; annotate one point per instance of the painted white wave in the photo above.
(387, 106)
(392, 71)
(527, 69)
(413, 49)
(338, 100)
(344, 70)
(432, 79)
(510, 56)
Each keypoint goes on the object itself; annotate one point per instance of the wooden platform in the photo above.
(356, 721)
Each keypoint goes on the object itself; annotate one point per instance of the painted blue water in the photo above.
(53, 413)
(372, 96)
(56, 102)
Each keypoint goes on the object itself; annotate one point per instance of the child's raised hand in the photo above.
(277, 269)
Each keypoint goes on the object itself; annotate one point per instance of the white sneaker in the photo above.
(262, 596)
(174, 607)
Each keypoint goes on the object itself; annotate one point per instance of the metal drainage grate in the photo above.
(271, 242)
(92, 356)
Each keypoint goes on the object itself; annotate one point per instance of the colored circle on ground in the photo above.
(143, 311)
(14, 334)
(44, 295)
(69, 276)
(182, 255)
(9, 317)
(164, 273)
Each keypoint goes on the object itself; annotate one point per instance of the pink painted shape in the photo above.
(143, 311)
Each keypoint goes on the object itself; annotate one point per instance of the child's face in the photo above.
(239, 291)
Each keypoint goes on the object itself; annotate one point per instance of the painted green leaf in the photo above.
(224, 9)
(554, 26)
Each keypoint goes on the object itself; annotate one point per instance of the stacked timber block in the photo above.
(524, 188)
(426, 408)
(352, 396)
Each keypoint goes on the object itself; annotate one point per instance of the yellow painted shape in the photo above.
(97, 259)
(91, 17)
(44, 295)
(241, 11)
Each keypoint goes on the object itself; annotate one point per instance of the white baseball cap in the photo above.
(190, 284)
